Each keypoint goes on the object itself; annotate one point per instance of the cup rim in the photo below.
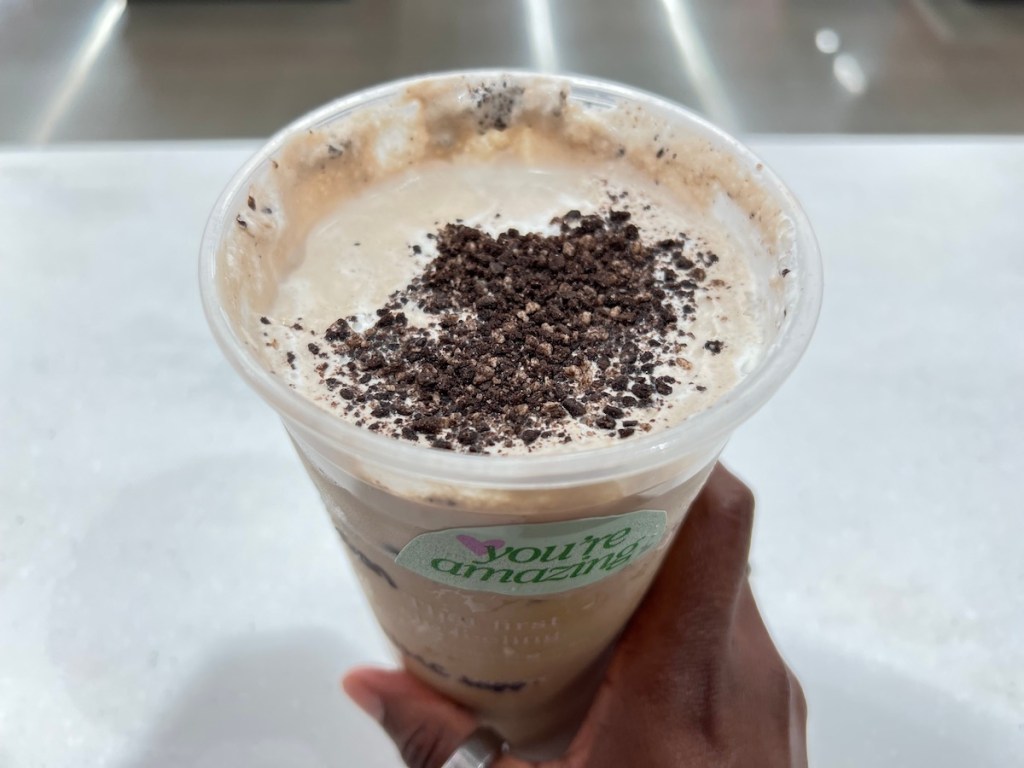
(710, 426)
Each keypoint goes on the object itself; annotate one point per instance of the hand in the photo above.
(694, 681)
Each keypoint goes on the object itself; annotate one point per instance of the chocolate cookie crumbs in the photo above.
(530, 332)
(339, 331)
(495, 105)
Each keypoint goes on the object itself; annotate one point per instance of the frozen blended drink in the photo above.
(509, 321)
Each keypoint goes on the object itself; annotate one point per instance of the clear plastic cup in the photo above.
(457, 553)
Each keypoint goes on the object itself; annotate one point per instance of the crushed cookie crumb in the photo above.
(530, 332)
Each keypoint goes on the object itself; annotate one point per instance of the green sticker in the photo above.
(538, 559)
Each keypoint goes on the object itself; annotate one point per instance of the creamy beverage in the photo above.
(498, 318)
(597, 343)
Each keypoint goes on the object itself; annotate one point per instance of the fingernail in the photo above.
(366, 700)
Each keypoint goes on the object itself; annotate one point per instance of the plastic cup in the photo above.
(502, 580)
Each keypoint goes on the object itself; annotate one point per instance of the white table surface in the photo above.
(171, 593)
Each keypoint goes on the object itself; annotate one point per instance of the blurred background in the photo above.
(84, 70)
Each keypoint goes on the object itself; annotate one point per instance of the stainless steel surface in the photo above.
(74, 70)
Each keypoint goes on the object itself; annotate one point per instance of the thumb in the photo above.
(424, 725)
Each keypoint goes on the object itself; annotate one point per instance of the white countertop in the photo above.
(171, 593)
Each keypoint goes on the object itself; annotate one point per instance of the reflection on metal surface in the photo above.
(171, 69)
(542, 38)
(92, 44)
(9, 7)
(933, 20)
(827, 40)
(697, 64)
(849, 73)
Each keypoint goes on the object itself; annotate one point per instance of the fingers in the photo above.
(424, 725)
(696, 673)
(713, 546)
(696, 591)
(671, 652)
(797, 724)
(768, 685)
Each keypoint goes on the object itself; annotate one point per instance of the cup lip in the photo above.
(709, 427)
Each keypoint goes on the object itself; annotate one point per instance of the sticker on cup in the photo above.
(537, 559)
